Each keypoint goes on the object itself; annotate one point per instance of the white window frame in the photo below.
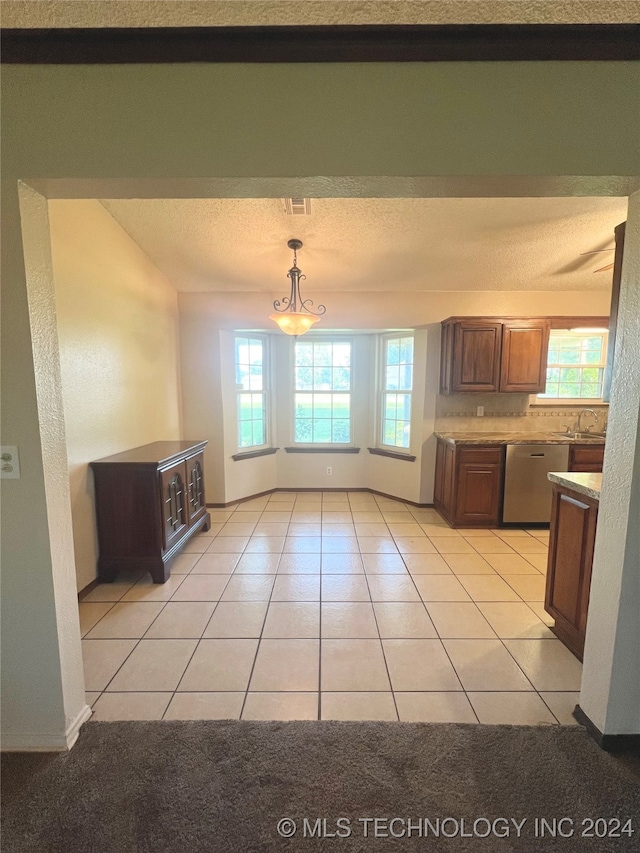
(265, 392)
(537, 400)
(383, 391)
(322, 339)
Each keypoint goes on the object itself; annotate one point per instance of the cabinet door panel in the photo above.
(196, 506)
(524, 356)
(478, 499)
(438, 487)
(175, 517)
(476, 356)
(586, 458)
(449, 482)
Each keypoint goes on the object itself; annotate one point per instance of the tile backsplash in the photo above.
(508, 413)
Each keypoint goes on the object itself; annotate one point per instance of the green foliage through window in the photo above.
(322, 392)
(575, 365)
(397, 384)
(251, 396)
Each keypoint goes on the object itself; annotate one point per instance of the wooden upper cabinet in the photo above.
(476, 355)
(524, 356)
(490, 354)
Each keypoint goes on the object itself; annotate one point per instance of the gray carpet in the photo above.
(213, 787)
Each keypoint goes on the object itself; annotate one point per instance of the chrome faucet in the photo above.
(579, 421)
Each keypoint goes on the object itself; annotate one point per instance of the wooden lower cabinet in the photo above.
(468, 483)
(149, 502)
(586, 457)
(573, 530)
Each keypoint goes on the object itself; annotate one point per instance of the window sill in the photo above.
(324, 449)
(254, 454)
(392, 454)
(559, 402)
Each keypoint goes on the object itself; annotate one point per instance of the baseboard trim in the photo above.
(46, 741)
(357, 489)
(610, 743)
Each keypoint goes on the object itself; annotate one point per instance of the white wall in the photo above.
(118, 339)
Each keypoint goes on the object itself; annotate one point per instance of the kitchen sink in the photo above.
(581, 435)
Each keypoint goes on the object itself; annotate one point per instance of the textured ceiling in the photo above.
(193, 13)
(377, 245)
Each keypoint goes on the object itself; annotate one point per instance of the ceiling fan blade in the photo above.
(603, 269)
(599, 251)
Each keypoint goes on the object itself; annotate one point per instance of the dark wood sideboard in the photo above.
(149, 502)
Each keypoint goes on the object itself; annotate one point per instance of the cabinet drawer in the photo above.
(586, 457)
(480, 455)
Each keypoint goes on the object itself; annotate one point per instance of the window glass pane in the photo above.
(320, 415)
(251, 407)
(405, 382)
(393, 378)
(393, 351)
(575, 365)
(397, 377)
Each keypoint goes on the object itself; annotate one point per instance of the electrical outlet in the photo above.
(480, 411)
(329, 471)
(9, 463)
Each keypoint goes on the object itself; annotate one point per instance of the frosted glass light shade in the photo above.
(294, 323)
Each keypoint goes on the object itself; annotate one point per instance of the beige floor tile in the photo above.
(426, 564)
(368, 517)
(289, 665)
(265, 545)
(339, 545)
(214, 528)
(468, 564)
(548, 664)
(201, 588)
(538, 561)
(528, 587)
(154, 665)
(92, 698)
(353, 665)
(111, 591)
(343, 620)
(219, 665)
(562, 706)
(486, 665)
(541, 613)
(543, 536)
(331, 531)
(459, 620)
(302, 545)
(184, 563)
(440, 588)
(332, 516)
(258, 564)
(384, 564)
(125, 621)
(427, 516)
(275, 517)
(258, 504)
(271, 529)
(367, 529)
(249, 588)
(407, 528)
(296, 588)
(530, 546)
(491, 545)
(181, 620)
(91, 614)
(447, 707)
(415, 545)
(403, 620)
(451, 545)
(237, 528)
(197, 545)
(102, 659)
(507, 533)
(393, 587)
(300, 564)
(221, 514)
(440, 530)
(488, 588)
(237, 619)
(281, 706)
(292, 620)
(358, 706)
(306, 515)
(511, 564)
(513, 620)
(516, 709)
(304, 528)
(216, 564)
(377, 545)
(228, 545)
(205, 706)
(344, 588)
(130, 706)
(147, 590)
(395, 517)
(473, 532)
(241, 515)
(342, 564)
(419, 665)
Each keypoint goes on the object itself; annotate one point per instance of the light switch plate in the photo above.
(9, 462)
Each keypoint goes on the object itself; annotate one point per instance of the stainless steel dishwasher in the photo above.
(527, 490)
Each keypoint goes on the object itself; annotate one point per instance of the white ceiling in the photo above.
(379, 245)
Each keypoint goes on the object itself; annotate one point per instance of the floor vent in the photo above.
(297, 206)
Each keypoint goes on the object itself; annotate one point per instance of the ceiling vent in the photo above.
(297, 206)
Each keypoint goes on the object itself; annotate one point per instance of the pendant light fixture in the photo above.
(293, 314)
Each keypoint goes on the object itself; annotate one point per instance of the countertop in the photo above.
(585, 484)
(513, 438)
